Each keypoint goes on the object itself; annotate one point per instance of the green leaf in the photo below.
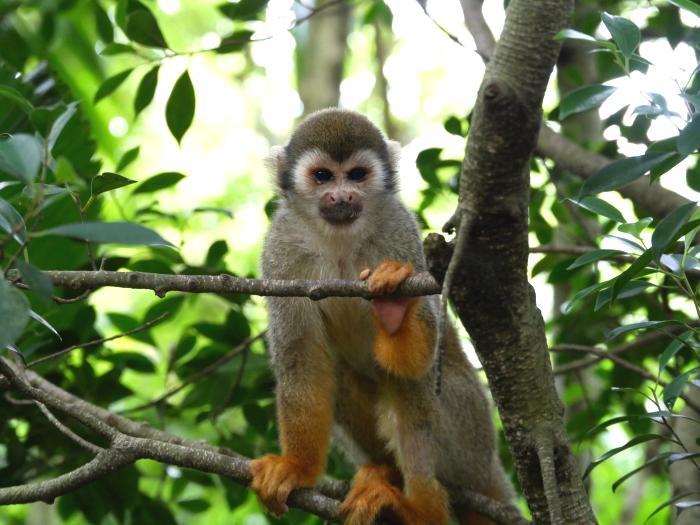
(584, 99)
(453, 125)
(108, 232)
(17, 98)
(35, 279)
(159, 182)
(689, 138)
(142, 27)
(14, 313)
(581, 294)
(427, 162)
(195, 505)
(243, 10)
(256, 416)
(593, 256)
(630, 289)
(44, 323)
(689, 5)
(635, 228)
(146, 90)
(103, 23)
(131, 360)
(117, 49)
(216, 253)
(179, 111)
(668, 502)
(574, 35)
(610, 453)
(107, 181)
(624, 32)
(20, 156)
(668, 229)
(60, 123)
(599, 207)
(128, 157)
(682, 456)
(12, 222)
(235, 41)
(650, 461)
(676, 386)
(643, 325)
(621, 172)
(111, 84)
(631, 272)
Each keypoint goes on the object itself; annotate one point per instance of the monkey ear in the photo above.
(394, 148)
(275, 160)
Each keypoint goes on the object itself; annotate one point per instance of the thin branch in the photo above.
(84, 443)
(97, 342)
(639, 342)
(604, 354)
(199, 375)
(420, 284)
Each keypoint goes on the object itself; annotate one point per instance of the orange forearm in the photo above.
(409, 351)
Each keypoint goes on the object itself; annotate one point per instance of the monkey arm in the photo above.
(405, 340)
(305, 399)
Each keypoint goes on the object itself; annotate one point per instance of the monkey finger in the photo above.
(364, 274)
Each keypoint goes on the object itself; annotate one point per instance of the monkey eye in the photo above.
(322, 175)
(357, 174)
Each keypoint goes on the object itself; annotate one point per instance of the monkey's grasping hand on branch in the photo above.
(385, 279)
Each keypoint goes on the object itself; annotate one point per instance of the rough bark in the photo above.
(491, 293)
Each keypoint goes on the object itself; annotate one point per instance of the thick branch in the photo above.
(132, 441)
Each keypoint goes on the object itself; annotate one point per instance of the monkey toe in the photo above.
(274, 478)
(387, 277)
(366, 502)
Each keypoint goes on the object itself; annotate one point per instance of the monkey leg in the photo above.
(375, 494)
(305, 400)
(404, 342)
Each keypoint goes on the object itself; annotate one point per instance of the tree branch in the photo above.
(604, 354)
(568, 155)
(131, 441)
(420, 284)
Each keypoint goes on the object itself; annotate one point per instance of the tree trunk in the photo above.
(491, 293)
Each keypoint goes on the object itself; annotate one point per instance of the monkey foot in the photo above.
(274, 477)
(373, 496)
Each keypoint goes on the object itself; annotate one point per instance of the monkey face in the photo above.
(339, 191)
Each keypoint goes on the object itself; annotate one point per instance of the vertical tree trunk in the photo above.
(323, 56)
(490, 292)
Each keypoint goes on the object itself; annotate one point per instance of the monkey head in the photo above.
(336, 169)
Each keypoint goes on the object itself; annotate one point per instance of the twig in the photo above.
(204, 372)
(97, 342)
(462, 222)
(228, 398)
(604, 354)
(67, 431)
(632, 345)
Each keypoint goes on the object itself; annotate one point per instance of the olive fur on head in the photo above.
(339, 133)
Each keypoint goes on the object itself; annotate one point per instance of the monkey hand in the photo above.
(403, 343)
(375, 494)
(274, 477)
(384, 279)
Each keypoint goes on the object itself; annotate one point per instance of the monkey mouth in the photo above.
(341, 214)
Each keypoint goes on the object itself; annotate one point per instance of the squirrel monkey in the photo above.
(365, 369)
